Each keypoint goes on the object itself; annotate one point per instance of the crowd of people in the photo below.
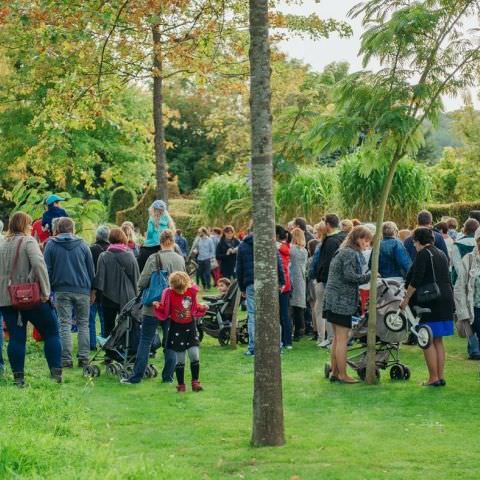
(51, 278)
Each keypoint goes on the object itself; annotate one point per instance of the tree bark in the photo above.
(371, 376)
(159, 129)
(268, 428)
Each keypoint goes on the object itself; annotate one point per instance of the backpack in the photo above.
(158, 283)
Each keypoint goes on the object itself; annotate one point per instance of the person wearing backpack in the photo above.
(116, 278)
(167, 261)
(22, 263)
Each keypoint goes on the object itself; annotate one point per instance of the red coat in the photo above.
(180, 308)
(284, 251)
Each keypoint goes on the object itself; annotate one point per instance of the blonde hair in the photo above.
(404, 234)
(167, 237)
(359, 232)
(179, 282)
(298, 237)
(346, 225)
(320, 230)
(129, 230)
(18, 223)
(226, 281)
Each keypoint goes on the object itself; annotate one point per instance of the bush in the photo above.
(121, 199)
(359, 194)
(217, 193)
(458, 210)
(308, 193)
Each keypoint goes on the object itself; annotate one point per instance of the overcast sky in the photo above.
(320, 53)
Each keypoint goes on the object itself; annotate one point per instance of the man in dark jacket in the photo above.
(71, 271)
(245, 278)
(101, 244)
(322, 258)
(53, 211)
(424, 219)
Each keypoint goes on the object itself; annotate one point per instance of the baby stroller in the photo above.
(218, 319)
(119, 350)
(191, 264)
(387, 348)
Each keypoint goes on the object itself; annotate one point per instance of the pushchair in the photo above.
(118, 352)
(387, 347)
(218, 319)
(191, 264)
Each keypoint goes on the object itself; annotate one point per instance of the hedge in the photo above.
(458, 210)
(122, 198)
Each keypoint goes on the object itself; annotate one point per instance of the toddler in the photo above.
(179, 304)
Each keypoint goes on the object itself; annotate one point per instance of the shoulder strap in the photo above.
(433, 269)
(15, 260)
(158, 261)
(124, 270)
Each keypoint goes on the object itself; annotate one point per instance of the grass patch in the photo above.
(101, 429)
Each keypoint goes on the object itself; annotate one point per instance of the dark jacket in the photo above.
(70, 264)
(227, 262)
(324, 255)
(117, 276)
(245, 268)
(182, 243)
(97, 248)
(421, 274)
(439, 243)
(394, 260)
(50, 214)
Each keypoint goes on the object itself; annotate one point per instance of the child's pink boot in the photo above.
(196, 386)
(181, 388)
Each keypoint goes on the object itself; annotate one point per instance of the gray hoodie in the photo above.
(70, 264)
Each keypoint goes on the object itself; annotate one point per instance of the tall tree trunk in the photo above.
(159, 135)
(267, 398)
(371, 377)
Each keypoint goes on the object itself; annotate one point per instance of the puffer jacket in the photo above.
(465, 286)
(284, 251)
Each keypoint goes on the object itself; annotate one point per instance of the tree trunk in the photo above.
(267, 398)
(159, 135)
(371, 377)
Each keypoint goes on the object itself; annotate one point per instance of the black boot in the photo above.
(19, 379)
(56, 375)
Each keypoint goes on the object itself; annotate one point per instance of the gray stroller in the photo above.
(389, 297)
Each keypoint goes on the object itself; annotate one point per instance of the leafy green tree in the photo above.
(425, 53)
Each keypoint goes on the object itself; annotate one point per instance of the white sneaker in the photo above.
(324, 344)
(288, 347)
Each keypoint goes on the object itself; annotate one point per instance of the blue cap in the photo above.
(159, 205)
(52, 199)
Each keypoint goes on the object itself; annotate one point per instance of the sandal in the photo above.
(438, 383)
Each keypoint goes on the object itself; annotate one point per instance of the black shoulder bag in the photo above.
(431, 291)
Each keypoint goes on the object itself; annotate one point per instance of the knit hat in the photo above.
(477, 234)
(159, 205)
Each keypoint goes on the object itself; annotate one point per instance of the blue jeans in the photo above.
(147, 334)
(204, 271)
(473, 347)
(251, 317)
(92, 323)
(43, 319)
(286, 324)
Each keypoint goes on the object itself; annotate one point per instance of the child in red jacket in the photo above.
(179, 304)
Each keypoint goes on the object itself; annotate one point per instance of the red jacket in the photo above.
(284, 251)
(180, 308)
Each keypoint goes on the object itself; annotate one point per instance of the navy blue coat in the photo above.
(244, 267)
(439, 243)
(50, 214)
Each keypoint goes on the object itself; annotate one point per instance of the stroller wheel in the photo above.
(154, 371)
(224, 336)
(148, 372)
(112, 369)
(96, 370)
(243, 335)
(122, 373)
(327, 370)
(88, 371)
(424, 336)
(397, 372)
(406, 373)
(395, 321)
(129, 368)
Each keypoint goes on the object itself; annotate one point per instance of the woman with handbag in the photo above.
(428, 286)
(24, 297)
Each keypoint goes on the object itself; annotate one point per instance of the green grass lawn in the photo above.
(87, 429)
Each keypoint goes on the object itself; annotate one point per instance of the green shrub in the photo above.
(216, 194)
(360, 194)
(121, 199)
(458, 210)
(308, 193)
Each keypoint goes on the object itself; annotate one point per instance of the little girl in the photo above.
(179, 304)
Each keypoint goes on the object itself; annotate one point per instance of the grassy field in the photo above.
(87, 429)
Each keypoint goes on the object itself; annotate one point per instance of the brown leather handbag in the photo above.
(23, 296)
